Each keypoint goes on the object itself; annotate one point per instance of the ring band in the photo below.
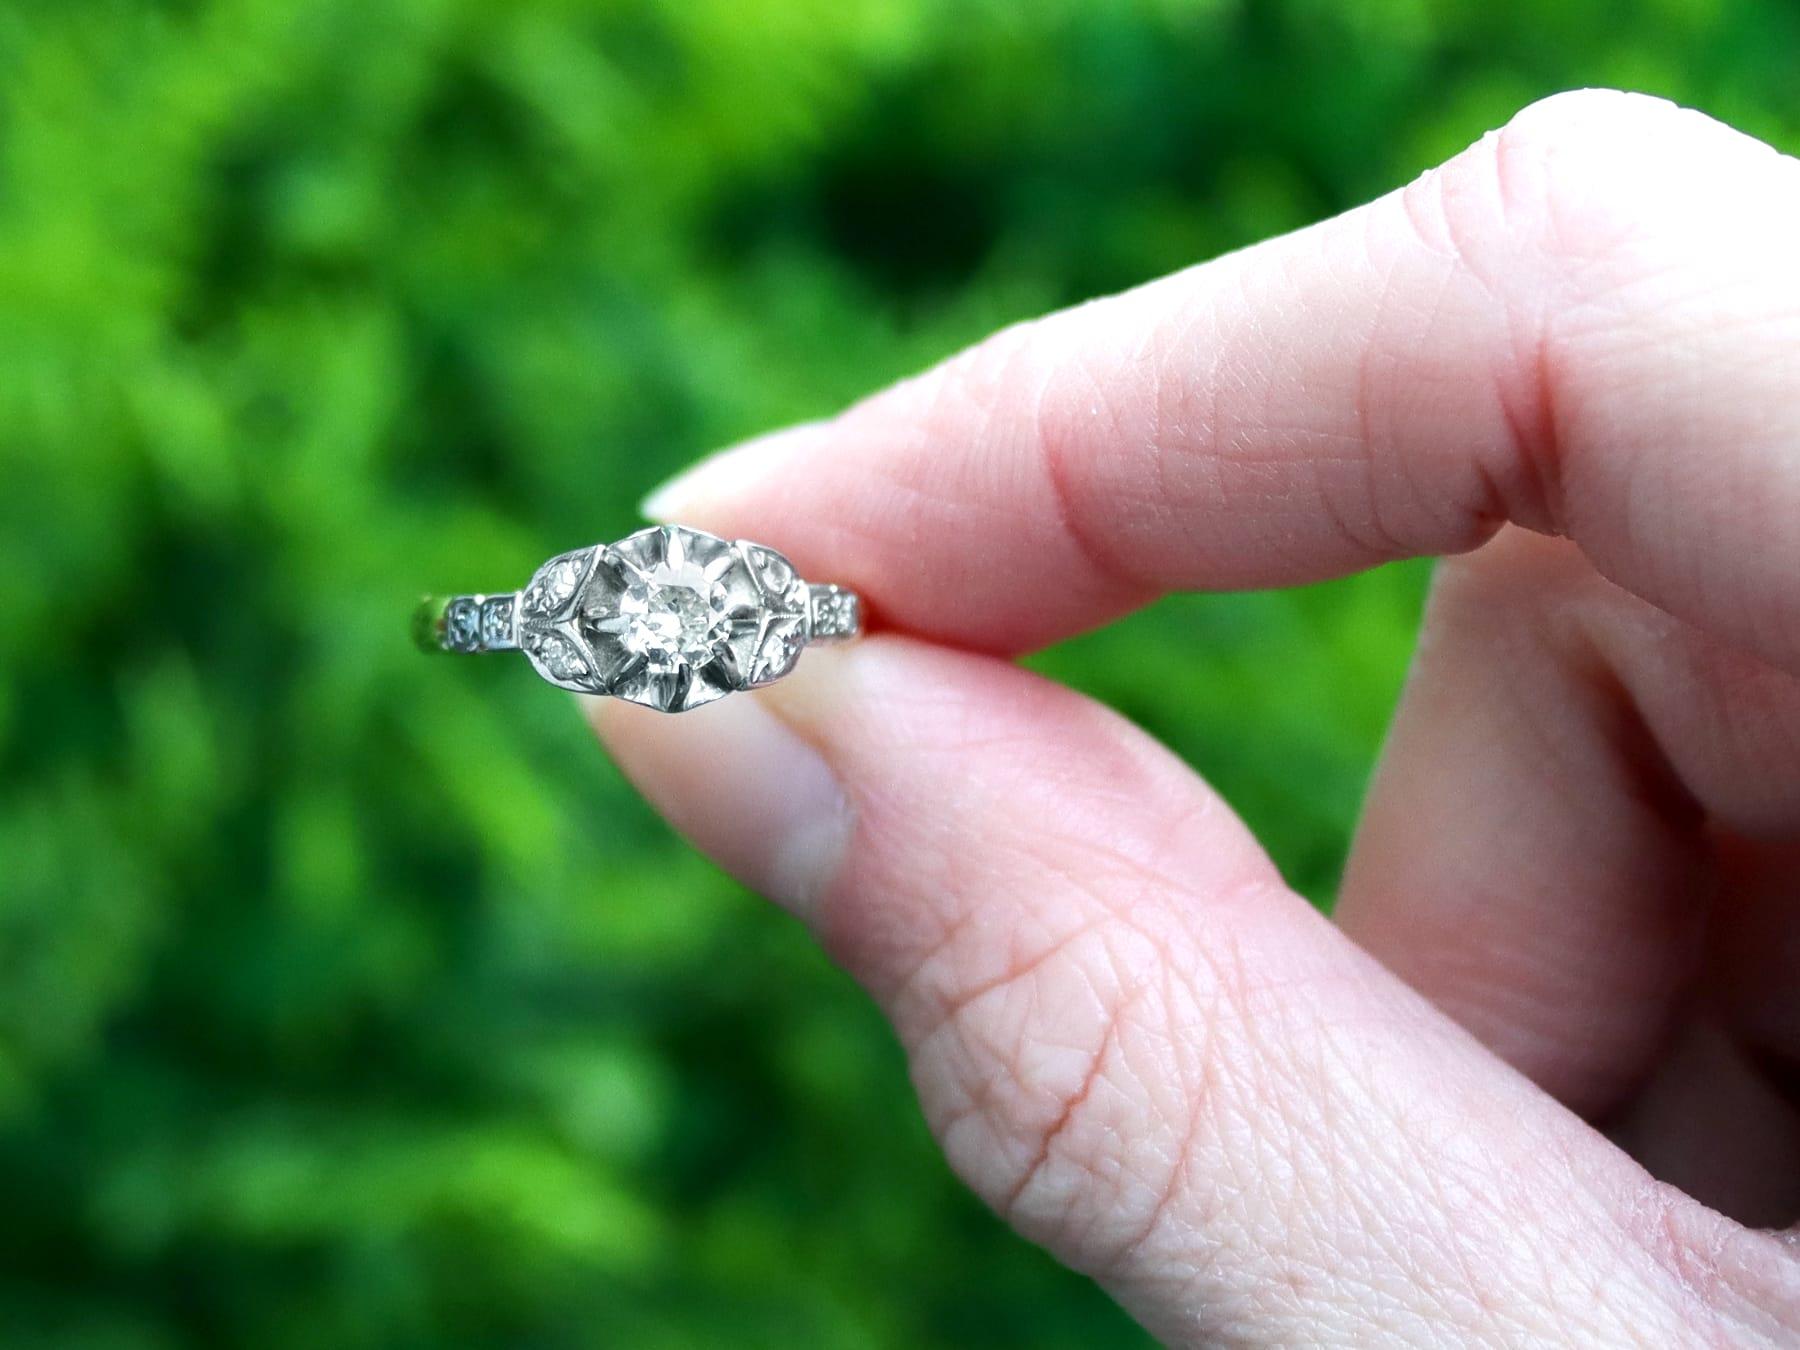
(669, 617)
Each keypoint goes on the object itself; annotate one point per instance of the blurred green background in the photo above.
(349, 998)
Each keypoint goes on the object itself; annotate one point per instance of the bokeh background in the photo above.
(349, 998)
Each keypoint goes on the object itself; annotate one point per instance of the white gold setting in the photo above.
(669, 617)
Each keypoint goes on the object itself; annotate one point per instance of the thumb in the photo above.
(1144, 1051)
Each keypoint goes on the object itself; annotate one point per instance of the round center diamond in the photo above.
(668, 617)
(674, 617)
(671, 618)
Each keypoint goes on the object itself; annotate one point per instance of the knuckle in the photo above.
(1082, 1089)
(1588, 223)
(1060, 1090)
(1573, 137)
(1612, 115)
(1741, 1285)
(1576, 176)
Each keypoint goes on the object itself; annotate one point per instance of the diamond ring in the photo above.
(668, 617)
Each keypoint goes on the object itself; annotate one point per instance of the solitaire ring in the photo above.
(668, 617)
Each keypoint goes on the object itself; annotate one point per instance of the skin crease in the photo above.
(1565, 941)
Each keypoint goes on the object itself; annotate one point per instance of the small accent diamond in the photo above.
(497, 621)
(462, 625)
(835, 613)
(783, 591)
(777, 572)
(555, 583)
(562, 658)
(779, 650)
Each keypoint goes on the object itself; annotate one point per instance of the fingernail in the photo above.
(742, 785)
(665, 501)
(718, 477)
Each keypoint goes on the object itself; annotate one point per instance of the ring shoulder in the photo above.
(468, 623)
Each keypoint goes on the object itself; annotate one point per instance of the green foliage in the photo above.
(350, 999)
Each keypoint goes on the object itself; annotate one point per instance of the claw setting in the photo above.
(669, 617)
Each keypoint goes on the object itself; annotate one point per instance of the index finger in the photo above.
(1587, 324)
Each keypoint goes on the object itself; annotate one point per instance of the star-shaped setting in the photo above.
(669, 617)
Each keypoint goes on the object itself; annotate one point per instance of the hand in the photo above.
(1570, 360)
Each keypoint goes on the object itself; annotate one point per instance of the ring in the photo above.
(668, 617)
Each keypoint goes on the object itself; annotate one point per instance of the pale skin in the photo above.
(1536, 1083)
